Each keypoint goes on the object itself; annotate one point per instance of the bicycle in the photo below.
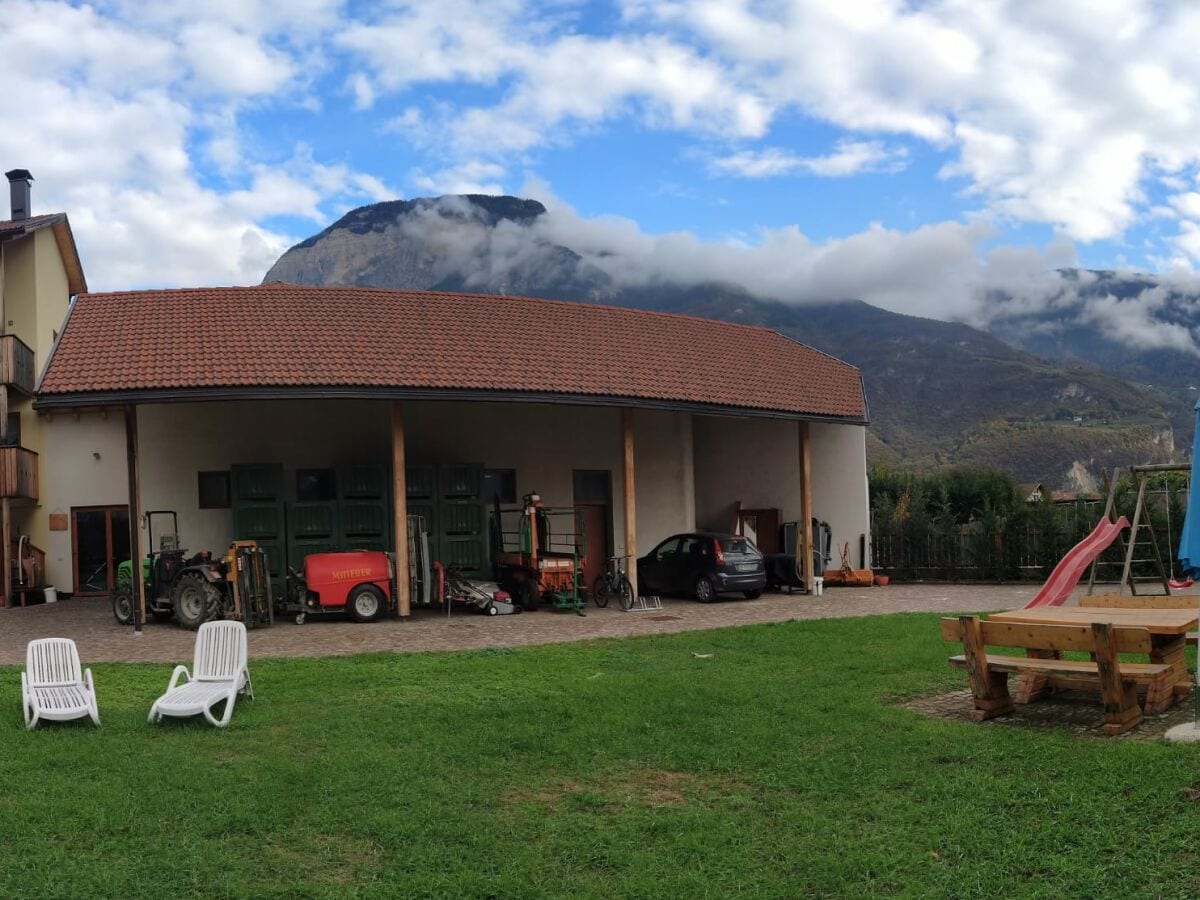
(613, 582)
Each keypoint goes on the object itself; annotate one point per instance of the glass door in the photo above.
(100, 541)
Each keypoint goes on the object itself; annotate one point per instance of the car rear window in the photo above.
(735, 545)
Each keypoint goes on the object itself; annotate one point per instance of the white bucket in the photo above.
(818, 585)
(51, 595)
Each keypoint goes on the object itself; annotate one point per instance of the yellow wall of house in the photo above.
(53, 297)
(20, 288)
(84, 465)
(35, 295)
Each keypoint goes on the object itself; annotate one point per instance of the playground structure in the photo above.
(1063, 580)
(1142, 538)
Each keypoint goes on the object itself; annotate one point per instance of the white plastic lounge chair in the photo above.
(219, 673)
(52, 685)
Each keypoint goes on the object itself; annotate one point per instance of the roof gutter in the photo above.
(96, 399)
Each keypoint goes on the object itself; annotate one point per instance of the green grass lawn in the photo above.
(779, 767)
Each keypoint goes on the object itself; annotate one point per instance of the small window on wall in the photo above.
(315, 485)
(500, 483)
(12, 435)
(213, 489)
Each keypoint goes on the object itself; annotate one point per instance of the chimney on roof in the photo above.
(19, 182)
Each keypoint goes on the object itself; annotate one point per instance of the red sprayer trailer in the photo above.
(359, 583)
(356, 582)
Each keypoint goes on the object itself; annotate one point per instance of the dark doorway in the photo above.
(762, 527)
(99, 543)
(593, 499)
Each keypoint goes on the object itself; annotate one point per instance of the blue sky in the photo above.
(912, 154)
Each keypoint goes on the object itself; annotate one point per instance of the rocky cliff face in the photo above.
(940, 393)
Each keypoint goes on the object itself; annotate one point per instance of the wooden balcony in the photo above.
(16, 364)
(18, 473)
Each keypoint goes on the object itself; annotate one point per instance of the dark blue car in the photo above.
(703, 565)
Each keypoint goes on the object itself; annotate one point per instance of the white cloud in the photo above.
(131, 126)
(1078, 113)
(847, 158)
(231, 62)
(555, 79)
(945, 270)
(475, 177)
(1055, 112)
(364, 92)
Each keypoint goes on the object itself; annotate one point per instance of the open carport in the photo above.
(361, 406)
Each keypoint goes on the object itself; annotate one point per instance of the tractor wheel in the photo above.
(364, 603)
(527, 596)
(195, 600)
(122, 607)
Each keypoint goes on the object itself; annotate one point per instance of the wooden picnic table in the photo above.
(1168, 637)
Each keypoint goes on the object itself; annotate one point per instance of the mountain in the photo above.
(940, 393)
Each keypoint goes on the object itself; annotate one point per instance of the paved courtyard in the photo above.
(100, 638)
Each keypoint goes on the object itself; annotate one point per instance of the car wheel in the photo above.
(752, 595)
(364, 603)
(704, 590)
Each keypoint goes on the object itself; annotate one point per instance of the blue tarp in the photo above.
(1189, 540)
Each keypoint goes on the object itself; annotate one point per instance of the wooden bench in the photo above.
(1117, 681)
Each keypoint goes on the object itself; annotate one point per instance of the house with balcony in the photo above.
(39, 274)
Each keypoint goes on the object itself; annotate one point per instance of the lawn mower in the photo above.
(457, 588)
(195, 589)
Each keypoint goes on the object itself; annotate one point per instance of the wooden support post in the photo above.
(1121, 710)
(990, 689)
(630, 503)
(400, 507)
(804, 541)
(6, 513)
(133, 458)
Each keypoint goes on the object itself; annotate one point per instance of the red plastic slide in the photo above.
(1066, 574)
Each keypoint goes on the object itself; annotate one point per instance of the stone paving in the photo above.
(101, 639)
(1074, 712)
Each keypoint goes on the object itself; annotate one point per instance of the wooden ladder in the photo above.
(1127, 576)
(1135, 544)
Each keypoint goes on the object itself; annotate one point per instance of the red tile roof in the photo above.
(243, 341)
(33, 223)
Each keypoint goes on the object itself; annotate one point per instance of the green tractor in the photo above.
(192, 589)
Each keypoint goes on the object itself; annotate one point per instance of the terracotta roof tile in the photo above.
(288, 336)
(33, 223)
